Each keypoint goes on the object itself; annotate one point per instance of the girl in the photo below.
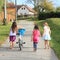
(35, 37)
(46, 34)
(12, 34)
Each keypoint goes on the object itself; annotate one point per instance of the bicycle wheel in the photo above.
(20, 45)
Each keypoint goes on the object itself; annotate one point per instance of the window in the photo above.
(24, 8)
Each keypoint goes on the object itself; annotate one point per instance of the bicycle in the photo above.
(20, 41)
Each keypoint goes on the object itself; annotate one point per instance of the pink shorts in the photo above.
(12, 38)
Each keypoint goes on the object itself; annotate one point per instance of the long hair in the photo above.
(14, 25)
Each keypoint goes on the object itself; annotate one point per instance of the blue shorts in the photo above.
(35, 44)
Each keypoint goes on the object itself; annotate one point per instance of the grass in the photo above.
(4, 32)
(54, 24)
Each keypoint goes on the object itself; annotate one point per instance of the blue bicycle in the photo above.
(20, 41)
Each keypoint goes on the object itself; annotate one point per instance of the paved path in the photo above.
(27, 52)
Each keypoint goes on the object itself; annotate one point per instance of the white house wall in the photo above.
(24, 11)
(30, 13)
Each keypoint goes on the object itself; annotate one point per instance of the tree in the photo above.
(34, 3)
(46, 6)
(1, 4)
(58, 9)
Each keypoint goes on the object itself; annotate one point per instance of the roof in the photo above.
(29, 8)
(11, 5)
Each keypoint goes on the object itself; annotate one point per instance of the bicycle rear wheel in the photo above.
(20, 45)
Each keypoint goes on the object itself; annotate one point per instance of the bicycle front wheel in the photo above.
(20, 45)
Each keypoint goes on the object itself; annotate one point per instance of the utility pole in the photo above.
(4, 21)
(15, 10)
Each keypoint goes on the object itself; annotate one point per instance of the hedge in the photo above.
(44, 15)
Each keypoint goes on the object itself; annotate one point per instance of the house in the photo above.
(10, 12)
(25, 10)
(21, 10)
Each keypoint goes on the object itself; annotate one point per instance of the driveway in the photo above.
(27, 52)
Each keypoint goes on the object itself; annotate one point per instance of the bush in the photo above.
(44, 15)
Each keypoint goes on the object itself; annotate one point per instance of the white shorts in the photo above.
(46, 37)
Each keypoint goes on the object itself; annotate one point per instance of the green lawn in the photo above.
(4, 32)
(54, 24)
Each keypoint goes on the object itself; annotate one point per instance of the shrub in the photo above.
(44, 15)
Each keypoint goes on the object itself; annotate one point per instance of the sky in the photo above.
(56, 3)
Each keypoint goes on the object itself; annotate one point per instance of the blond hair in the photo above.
(46, 23)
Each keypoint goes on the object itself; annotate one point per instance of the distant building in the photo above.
(25, 10)
(21, 10)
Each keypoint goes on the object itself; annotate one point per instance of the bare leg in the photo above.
(45, 43)
(10, 44)
(48, 44)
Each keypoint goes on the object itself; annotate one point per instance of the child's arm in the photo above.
(16, 29)
(39, 34)
(50, 32)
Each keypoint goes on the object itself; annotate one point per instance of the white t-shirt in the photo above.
(12, 33)
(46, 30)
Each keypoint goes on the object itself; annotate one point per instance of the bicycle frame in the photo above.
(20, 41)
